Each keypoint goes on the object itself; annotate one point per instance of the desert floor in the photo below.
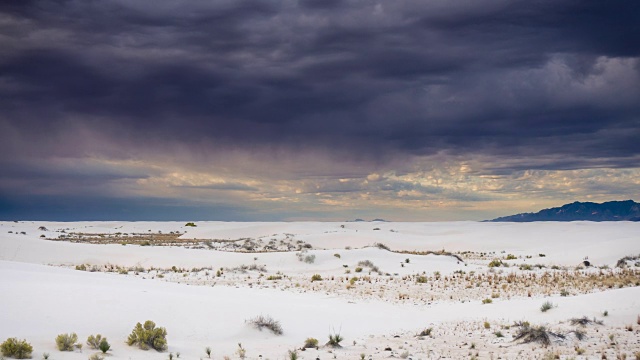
(456, 290)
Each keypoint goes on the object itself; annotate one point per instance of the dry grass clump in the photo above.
(535, 334)
(584, 321)
(334, 340)
(261, 321)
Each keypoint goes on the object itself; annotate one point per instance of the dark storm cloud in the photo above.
(549, 84)
(316, 73)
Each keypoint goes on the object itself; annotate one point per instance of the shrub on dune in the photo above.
(310, 343)
(261, 322)
(66, 342)
(18, 349)
(148, 336)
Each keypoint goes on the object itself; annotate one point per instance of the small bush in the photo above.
(96, 357)
(487, 325)
(310, 259)
(495, 263)
(316, 277)
(104, 346)
(334, 340)
(358, 269)
(511, 257)
(148, 336)
(262, 321)
(190, 224)
(292, 354)
(498, 334)
(208, 351)
(381, 246)
(337, 255)
(242, 352)
(421, 279)
(19, 349)
(564, 292)
(94, 341)
(66, 342)
(546, 306)
(537, 334)
(310, 343)
(487, 301)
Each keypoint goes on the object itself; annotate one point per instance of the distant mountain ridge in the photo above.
(582, 211)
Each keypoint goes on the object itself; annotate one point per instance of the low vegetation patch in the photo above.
(67, 342)
(260, 322)
(17, 349)
(148, 336)
(310, 343)
(548, 305)
(334, 340)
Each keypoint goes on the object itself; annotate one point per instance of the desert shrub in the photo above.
(261, 321)
(495, 263)
(104, 346)
(334, 340)
(564, 292)
(358, 269)
(584, 321)
(381, 246)
(93, 341)
(310, 343)
(190, 224)
(487, 325)
(426, 332)
(208, 351)
(511, 257)
(18, 349)
(316, 277)
(487, 301)
(148, 336)
(546, 306)
(310, 259)
(66, 342)
(536, 334)
(292, 354)
(421, 279)
(81, 267)
(96, 357)
(498, 334)
(337, 255)
(274, 277)
(242, 352)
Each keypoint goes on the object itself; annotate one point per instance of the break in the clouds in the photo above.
(315, 109)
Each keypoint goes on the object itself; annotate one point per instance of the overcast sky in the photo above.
(315, 109)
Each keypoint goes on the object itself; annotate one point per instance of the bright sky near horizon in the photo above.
(315, 109)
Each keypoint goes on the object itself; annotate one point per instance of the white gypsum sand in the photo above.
(203, 296)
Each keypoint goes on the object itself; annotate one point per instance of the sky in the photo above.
(327, 110)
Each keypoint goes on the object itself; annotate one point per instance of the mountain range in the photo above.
(628, 210)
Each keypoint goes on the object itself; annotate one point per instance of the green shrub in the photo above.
(104, 346)
(358, 269)
(310, 343)
(421, 279)
(495, 263)
(511, 257)
(94, 341)
(66, 342)
(334, 340)
(316, 277)
(546, 306)
(148, 336)
(292, 354)
(19, 349)
(190, 224)
(487, 301)
(426, 332)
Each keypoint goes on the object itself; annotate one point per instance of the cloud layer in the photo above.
(317, 109)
